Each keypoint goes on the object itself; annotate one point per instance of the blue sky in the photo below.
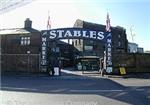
(125, 13)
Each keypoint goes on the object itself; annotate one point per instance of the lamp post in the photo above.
(28, 52)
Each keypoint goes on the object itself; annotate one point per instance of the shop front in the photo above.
(88, 63)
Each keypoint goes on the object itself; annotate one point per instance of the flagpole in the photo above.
(108, 47)
(49, 21)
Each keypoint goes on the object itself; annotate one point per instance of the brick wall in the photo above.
(133, 62)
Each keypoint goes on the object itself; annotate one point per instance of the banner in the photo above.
(44, 50)
(74, 33)
(108, 46)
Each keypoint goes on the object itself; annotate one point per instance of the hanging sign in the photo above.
(73, 33)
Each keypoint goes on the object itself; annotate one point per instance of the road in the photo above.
(71, 90)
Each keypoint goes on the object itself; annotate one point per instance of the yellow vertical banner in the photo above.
(122, 70)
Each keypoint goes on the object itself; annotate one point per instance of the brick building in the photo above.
(20, 48)
(93, 50)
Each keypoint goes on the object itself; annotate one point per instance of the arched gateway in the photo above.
(49, 36)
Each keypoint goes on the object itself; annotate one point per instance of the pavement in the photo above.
(74, 89)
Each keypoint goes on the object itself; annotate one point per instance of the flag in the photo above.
(108, 23)
(48, 22)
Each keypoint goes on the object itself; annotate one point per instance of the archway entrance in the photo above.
(56, 54)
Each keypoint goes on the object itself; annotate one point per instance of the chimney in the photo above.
(27, 23)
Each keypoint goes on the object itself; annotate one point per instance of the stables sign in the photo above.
(66, 33)
(73, 33)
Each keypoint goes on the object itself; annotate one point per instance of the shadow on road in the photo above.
(75, 85)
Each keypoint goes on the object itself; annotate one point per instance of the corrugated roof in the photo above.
(88, 57)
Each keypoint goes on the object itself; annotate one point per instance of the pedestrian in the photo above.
(53, 72)
(50, 70)
(102, 67)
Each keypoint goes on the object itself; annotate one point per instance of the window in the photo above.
(28, 40)
(119, 36)
(25, 40)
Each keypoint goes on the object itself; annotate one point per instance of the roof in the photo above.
(17, 31)
(88, 57)
(89, 25)
(61, 42)
(133, 44)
